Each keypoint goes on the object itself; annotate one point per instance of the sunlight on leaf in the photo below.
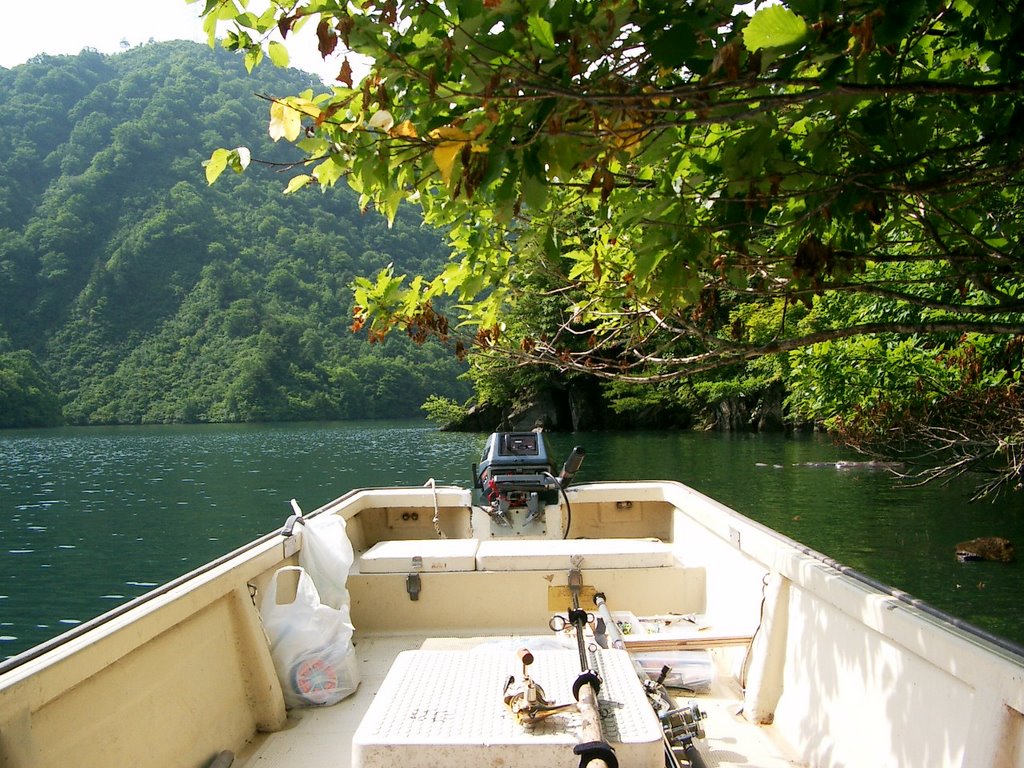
(253, 56)
(451, 144)
(541, 31)
(404, 130)
(278, 54)
(237, 159)
(444, 156)
(381, 121)
(297, 183)
(328, 172)
(774, 27)
(216, 164)
(285, 122)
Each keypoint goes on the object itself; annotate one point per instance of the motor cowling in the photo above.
(515, 470)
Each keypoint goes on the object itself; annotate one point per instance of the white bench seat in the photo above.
(556, 554)
(423, 555)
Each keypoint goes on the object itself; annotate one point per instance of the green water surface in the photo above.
(92, 517)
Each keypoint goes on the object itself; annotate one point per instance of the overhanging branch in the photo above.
(634, 366)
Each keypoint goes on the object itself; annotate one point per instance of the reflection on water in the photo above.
(92, 517)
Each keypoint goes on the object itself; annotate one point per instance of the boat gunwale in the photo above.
(17, 661)
(14, 662)
(886, 590)
(657, 490)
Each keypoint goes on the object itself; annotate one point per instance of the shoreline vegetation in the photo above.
(671, 269)
(134, 292)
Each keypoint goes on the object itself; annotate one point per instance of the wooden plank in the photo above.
(560, 598)
(664, 643)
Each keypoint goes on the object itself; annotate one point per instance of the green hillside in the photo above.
(133, 292)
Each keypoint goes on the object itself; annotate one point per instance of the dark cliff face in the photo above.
(583, 407)
(760, 412)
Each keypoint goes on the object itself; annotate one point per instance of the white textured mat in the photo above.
(444, 709)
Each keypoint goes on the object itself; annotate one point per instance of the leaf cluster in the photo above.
(688, 187)
(684, 159)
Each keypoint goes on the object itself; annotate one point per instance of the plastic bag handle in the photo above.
(304, 585)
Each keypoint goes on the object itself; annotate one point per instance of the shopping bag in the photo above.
(310, 643)
(327, 556)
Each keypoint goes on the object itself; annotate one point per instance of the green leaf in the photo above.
(535, 191)
(298, 182)
(238, 159)
(328, 172)
(253, 56)
(550, 244)
(671, 47)
(774, 27)
(216, 164)
(278, 54)
(389, 203)
(541, 31)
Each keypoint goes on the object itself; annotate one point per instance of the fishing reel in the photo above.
(681, 725)
(526, 699)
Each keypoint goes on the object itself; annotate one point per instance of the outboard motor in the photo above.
(515, 472)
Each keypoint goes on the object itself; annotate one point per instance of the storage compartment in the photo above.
(414, 555)
(688, 670)
(557, 554)
(444, 709)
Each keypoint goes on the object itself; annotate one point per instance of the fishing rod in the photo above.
(528, 702)
(595, 750)
(680, 725)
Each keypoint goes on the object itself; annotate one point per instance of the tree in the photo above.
(144, 294)
(27, 398)
(666, 165)
(669, 157)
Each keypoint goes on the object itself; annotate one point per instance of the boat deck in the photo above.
(836, 670)
(313, 734)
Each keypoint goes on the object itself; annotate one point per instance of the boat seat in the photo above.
(556, 554)
(406, 556)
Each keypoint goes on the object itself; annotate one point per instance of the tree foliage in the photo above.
(27, 399)
(672, 160)
(674, 174)
(148, 296)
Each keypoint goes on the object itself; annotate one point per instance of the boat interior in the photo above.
(444, 598)
(770, 654)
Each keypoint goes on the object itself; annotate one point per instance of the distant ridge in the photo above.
(143, 295)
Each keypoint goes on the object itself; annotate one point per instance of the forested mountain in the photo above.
(131, 291)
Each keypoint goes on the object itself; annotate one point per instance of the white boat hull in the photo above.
(829, 669)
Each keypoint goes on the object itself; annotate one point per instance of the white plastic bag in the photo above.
(310, 643)
(327, 556)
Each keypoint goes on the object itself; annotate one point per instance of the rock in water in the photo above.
(993, 548)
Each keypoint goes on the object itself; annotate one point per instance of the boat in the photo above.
(527, 621)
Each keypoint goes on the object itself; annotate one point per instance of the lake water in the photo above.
(92, 517)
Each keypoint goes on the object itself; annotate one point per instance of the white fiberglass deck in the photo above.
(444, 709)
(731, 741)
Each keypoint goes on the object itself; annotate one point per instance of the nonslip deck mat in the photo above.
(444, 709)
